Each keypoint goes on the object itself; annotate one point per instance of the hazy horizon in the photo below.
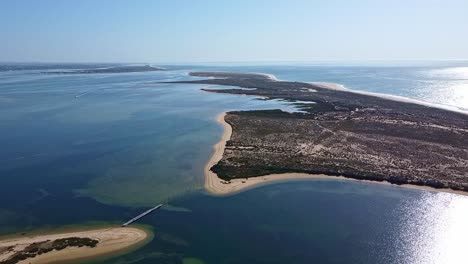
(209, 31)
(252, 63)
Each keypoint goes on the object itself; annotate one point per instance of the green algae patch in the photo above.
(192, 261)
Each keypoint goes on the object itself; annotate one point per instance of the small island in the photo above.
(337, 134)
(48, 248)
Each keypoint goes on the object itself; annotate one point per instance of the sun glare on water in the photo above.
(437, 231)
(449, 86)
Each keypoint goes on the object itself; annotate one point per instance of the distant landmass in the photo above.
(49, 66)
(340, 133)
(116, 69)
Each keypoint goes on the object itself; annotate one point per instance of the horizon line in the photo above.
(234, 62)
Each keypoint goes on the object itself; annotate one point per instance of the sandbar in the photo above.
(111, 240)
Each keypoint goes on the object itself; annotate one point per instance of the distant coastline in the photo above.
(108, 70)
(94, 243)
(217, 186)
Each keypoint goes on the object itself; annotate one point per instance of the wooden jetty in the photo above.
(136, 218)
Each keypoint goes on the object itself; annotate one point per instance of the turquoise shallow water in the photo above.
(85, 148)
(97, 133)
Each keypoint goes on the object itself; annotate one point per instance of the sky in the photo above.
(232, 31)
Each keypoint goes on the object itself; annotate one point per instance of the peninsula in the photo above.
(48, 248)
(337, 133)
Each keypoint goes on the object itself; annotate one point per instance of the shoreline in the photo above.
(342, 88)
(112, 241)
(398, 98)
(215, 186)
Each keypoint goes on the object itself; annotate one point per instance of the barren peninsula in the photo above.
(338, 133)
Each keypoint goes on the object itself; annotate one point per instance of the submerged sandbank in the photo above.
(217, 186)
(109, 241)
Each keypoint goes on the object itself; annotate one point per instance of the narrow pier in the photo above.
(136, 218)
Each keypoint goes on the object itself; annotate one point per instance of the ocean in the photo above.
(82, 149)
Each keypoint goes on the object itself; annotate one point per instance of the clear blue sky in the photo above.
(238, 30)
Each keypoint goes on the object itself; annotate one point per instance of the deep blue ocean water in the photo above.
(87, 148)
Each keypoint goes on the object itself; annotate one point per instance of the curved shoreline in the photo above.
(216, 186)
(213, 184)
(111, 240)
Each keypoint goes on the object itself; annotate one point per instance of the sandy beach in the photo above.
(340, 87)
(217, 186)
(110, 240)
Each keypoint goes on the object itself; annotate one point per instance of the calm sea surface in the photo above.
(99, 148)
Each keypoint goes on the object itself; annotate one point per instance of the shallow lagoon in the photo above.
(115, 138)
(80, 149)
